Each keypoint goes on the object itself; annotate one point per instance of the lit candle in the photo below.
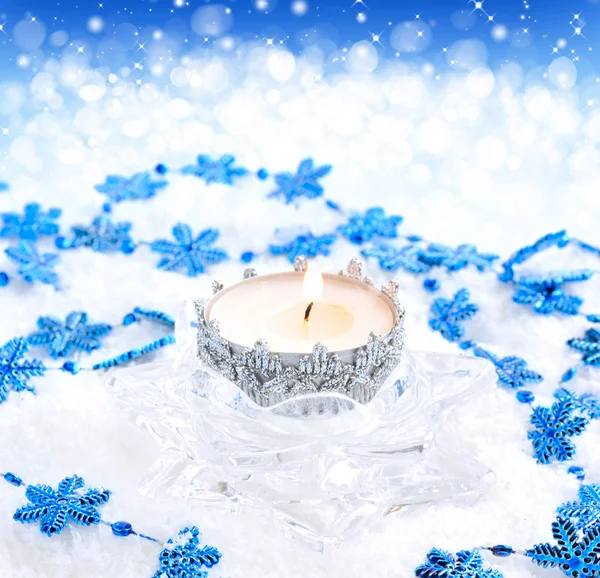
(293, 311)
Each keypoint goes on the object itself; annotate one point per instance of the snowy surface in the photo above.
(495, 160)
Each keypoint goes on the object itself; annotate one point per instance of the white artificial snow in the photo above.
(483, 157)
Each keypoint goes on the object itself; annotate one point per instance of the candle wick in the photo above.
(308, 310)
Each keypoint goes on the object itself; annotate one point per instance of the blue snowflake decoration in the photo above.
(587, 404)
(16, 371)
(305, 183)
(102, 235)
(465, 255)
(54, 509)
(3, 187)
(553, 429)
(585, 512)
(448, 313)
(372, 224)
(577, 555)
(589, 345)
(221, 171)
(139, 186)
(32, 224)
(34, 267)
(183, 557)
(307, 245)
(546, 295)
(75, 333)
(512, 371)
(192, 254)
(414, 258)
(466, 564)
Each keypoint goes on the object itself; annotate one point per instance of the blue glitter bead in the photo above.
(578, 472)
(161, 169)
(262, 174)
(525, 396)
(129, 319)
(501, 550)
(248, 257)
(414, 238)
(128, 247)
(568, 375)
(4, 279)
(12, 479)
(593, 318)
(121, 529)
(431, 285)
(333, 205)
(62, 243)
(464, 345)
(71, 367)
(107, 208)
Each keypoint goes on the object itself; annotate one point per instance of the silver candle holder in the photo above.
(270, 378)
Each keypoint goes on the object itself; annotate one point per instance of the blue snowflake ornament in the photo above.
(546, 295)
(75, 333)
(589, 345)
(305, 183)
(34, 267)
(448, 313)
(414, 257)
(221, 171)
(372, 224)
(139, 186)
(577, 554)
(102, 236)
(32, 224)
(183, 557)
(55, 508)
(466, 564)
(16, 371)
(512, 371)
(553, 429)
(192, 254)
(3, 187)
(585, 512)
(465, 255)
(587, 404)
(306, 245)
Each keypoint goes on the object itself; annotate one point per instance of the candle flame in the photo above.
(312, 288)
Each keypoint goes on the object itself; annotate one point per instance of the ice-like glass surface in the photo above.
(325, 466)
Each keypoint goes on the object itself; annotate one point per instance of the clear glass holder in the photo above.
(323, 465)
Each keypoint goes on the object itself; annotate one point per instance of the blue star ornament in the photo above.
(304, 184)
(465, 255)
(55, 508)
(34, 267)
(102, 236)
(30, 226)
(192, 254)
(446, 315)
(554, 428)
(372, 224)
(15, 371)
(577, 554)
(585, 512)
(139, 186)
(184, 558)
(466, 564)
(304, 245)
(589, 345)
(546, 294)
(512, 371)
(75, 333)
(222, 171)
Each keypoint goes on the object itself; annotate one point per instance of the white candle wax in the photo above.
(272, 307)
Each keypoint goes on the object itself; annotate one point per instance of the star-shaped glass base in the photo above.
(324, 465)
